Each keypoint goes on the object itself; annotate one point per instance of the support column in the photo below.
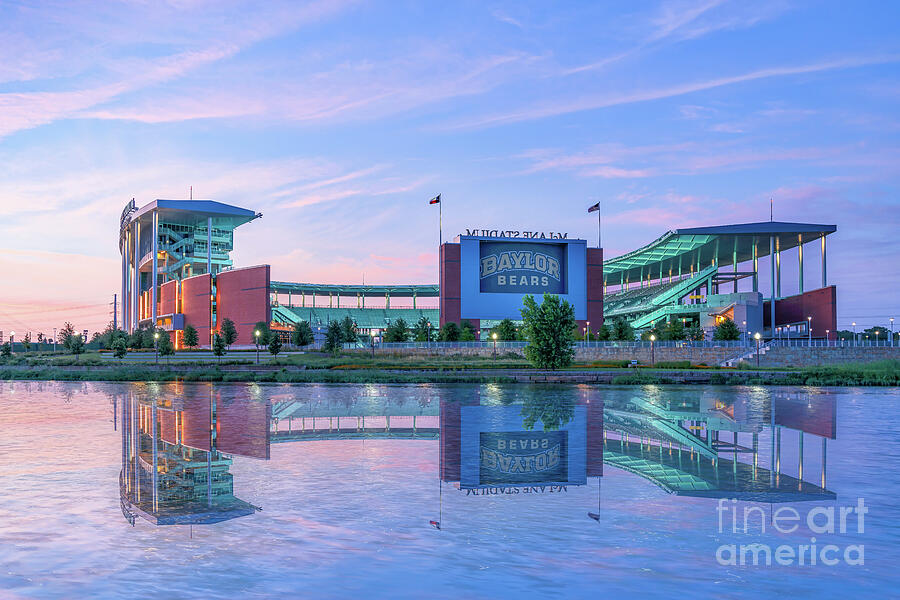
(642, 277)
(209, 245)
(734, 263)
(124, 296)
(136, 281)
(414, 299)
(772, 301)
(755, 264)
(387, 300)
(154, 278)
(778, 267)
(800, 257)
(330, 300)
(824, 278)
(289, 299)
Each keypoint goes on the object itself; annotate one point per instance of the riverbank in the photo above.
(885, 373)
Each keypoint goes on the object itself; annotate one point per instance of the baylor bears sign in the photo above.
(522, 268)
(523, 457)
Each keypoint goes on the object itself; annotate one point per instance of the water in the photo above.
(350, 517)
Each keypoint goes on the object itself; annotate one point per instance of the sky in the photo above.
(339, 119)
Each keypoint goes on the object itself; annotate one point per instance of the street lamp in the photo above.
(809, 329)
(256, 335)
(744, 331)
(827, 337)
(854, 333)
(652, 356)
(876, 336)
(54, 339)
(892, 332)
(428, 332)
(588, 330)
(494, 336)
(156, 344)
(756, 336)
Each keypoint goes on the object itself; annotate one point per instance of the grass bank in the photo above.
(134, 373)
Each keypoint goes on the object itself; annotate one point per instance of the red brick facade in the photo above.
(242, 295)
(196, 303)
(820, 304)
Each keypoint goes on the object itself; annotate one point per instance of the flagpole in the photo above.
(599, 228)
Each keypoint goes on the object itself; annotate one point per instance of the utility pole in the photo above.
(115, 311)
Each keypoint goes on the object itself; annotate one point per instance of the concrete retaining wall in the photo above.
(779, 356)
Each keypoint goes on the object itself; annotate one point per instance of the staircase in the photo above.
(748, 356)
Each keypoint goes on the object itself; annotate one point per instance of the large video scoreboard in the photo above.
(496, 273)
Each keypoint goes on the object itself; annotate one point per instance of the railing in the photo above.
(578, 344)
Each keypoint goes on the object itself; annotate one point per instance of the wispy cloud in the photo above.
(617, 98)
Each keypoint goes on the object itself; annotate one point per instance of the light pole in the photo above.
(892, 332)
(54, 339)
(588, 336)
(428, 332)
(854, 334)
(876, 337)
(652, 355)
(12, 341)
(756, 336)
(494, 336)
(809, 329)
(256, 336)
(156, 345)
(827, 337)
(744, 331)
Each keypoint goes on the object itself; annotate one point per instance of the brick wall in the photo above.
(242, 295)
(196, 301)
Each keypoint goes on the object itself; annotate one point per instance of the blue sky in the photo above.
(338, 120)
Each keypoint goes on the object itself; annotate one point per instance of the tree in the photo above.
(26, 342)
(67, 331)
(349, 331)
(449, 332)
(603, 333)
(653, 331)
(422, 330)
(119, 348)
(549, 328)
(673, 330)
(265, 336)
(466, 332)
(147, 339)
(275, 345)
(75, 344)
(219, 346)
(695, 333)
(190, 338)
(397, 331)
(6, 350)
(136, 339)
(228, 332)
(165, 346)
(333, 338)
(505, 330)
(727, 330)
(622, 331)
(302, 335)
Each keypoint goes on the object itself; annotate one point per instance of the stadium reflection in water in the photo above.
(178, 446)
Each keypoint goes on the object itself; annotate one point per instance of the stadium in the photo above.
(177, 270)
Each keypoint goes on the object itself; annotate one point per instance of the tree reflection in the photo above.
(550, 409)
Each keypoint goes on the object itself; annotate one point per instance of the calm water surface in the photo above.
(347, 514)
